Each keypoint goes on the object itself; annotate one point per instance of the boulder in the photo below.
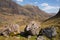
(14, 28)
(49, 32)
(11, 29)
(32, 28)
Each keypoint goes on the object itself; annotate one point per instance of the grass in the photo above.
(32, 38)
(23, 21)
(9, 38)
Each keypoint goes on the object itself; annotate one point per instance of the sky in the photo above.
(49, 6)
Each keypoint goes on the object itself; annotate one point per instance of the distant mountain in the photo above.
(53, 14)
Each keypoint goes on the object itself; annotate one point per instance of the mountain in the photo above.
(11, 12)
(14, 8)
(36, 11)
(53, 14)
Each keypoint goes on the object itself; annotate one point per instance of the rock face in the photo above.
(49, 32)
(7, 30)
(32, 28)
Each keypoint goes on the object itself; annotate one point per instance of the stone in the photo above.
(4, 31)
(32, 28)
(49, 32)
(14, 28)
(10, 29)
(41, 38)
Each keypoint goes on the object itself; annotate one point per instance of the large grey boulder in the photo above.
(49, 32)
(32, 28)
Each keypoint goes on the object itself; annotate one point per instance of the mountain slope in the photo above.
(36, 11)
(12, 13)
(14, 8)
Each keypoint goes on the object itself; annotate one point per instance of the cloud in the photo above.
(44, 4)
(48, 7)
(19, 0)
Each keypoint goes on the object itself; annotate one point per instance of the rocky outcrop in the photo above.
(9, 30)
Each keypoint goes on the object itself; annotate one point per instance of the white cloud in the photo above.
(44, 4)
(20, 0)
(48, 7)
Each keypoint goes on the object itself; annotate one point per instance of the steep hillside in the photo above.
(58, 14)
(55, 20)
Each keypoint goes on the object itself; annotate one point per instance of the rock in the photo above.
(49, 32)
(29, 37)
(4, 31)
(41, 38)
(14, 28)
(32, 28)
(10, 29)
